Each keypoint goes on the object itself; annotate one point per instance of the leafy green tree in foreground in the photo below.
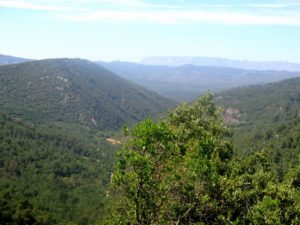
(183, 171)
(145, 174)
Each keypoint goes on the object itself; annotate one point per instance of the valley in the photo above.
(59, 128)
(143, 112)
(76, 137)
(187, 82)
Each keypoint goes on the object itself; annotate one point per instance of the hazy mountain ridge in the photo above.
(187, 82)
(7, 59)
(75, 90)
(220, 62)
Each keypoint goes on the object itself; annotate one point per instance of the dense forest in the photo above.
(185, 170)
(56, 117)
(228, 159)
(50, 175)
(266, 117)
(75, 91)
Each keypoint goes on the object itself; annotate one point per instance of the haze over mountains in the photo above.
(185, 78)
(6, 59)
(220, 62)
(187, 82)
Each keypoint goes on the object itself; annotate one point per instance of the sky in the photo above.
(260, 30)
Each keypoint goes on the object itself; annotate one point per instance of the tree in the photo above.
(184, 171)
(143, 176)
(159, 170)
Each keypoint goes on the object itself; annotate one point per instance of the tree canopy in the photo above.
(184, 171)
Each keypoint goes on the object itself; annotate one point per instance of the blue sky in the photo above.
(261, 30)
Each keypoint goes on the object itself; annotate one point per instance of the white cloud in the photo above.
(266, 5)
(182, 17)
(29, 5)
(132, 3)
(126, 11)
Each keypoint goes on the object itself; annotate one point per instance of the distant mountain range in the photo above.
(220, 62)
(185, 78)
(6, 59)
(185, 83)
(75, 91)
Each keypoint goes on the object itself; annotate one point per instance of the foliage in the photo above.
(51, 175)
(268, 118)
(55, 163)
(147, 186)
(75, 91)
(183, 171)
(56, 168)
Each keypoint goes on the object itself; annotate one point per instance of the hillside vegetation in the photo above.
(185, 170)
(266, 103)
(266, 117)
(52, 176)
(75, 90)
(58, 118)
(59, 139)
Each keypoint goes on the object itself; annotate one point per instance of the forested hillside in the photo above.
(266, 103)
(52, 176)
(56, 120)
(75, 90)
(57, 167)
(187, 82)
(185, 170)
(266, 117)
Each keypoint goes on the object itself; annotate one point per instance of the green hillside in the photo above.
(266, 117)
(56, 166)
(55, 117)
(268, 103)
(52, 176)
(185, 170)
(75, 90)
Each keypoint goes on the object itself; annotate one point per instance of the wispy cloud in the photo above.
(266, 5)
(130, 3)
(29, 5)
(183, 17)
(129, 11)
